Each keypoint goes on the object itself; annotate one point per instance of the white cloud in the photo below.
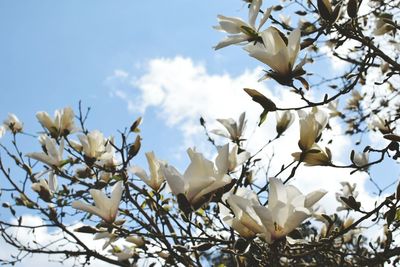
(180, 91)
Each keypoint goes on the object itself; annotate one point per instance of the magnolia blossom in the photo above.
(156, 174)
(13, 124)
(245, 221)
(93, 144)
(361, 159)
(201, 178)
(46, 188)
(347, 191)
(61, 125)
(106, 208)
(380, 123)
(311, 126)
(314, 156)
(235, 159)
(283, 121)
(123, 254)
(105, 234)
(287, 209)
(53, 154)
(108, 157)
(278, 54)
(239, 30)
(234, 130)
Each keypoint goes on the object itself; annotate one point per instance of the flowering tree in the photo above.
(216, 212)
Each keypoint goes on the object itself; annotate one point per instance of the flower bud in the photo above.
(352, 8)
(325, 9)
(137, 240)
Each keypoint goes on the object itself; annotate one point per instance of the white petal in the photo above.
(314, 197)
(294, 45)
(253, 12)
(230, 40)
(242, 157)
(267, 13)
(174, 180)
(277, 193)
(230, 126)
(295, 219)
(42, 157)
(2, 131)
(116, 195)
(139, 172)
(230, 24)
(101, 201)
(88, 208)
(266, 217)
(53, 182)
(45, 120)
(222, 160)
(220, 133)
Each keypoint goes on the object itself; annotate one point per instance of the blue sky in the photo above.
(56, 53)
(113, 55)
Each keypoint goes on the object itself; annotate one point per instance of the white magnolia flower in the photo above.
(62, 124)
(93, 144)
(278, 54)
(106, 208)
(361, 159)
(234, 130)
(315, 156)
(235, 159)
(239, 30)
(53, 154)
(123, 254)
(311, 126)
(105, 234)
(46, 188)
(283, 121)
(380, 123)
(156, 177)
(13, 124)
(201, 178)
(347, 191)
(245, 221)
(108, 157)
(228, 163)
(287, 209)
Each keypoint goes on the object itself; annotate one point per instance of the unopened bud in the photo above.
(352, 8)
(325, 9)
(137, 240)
